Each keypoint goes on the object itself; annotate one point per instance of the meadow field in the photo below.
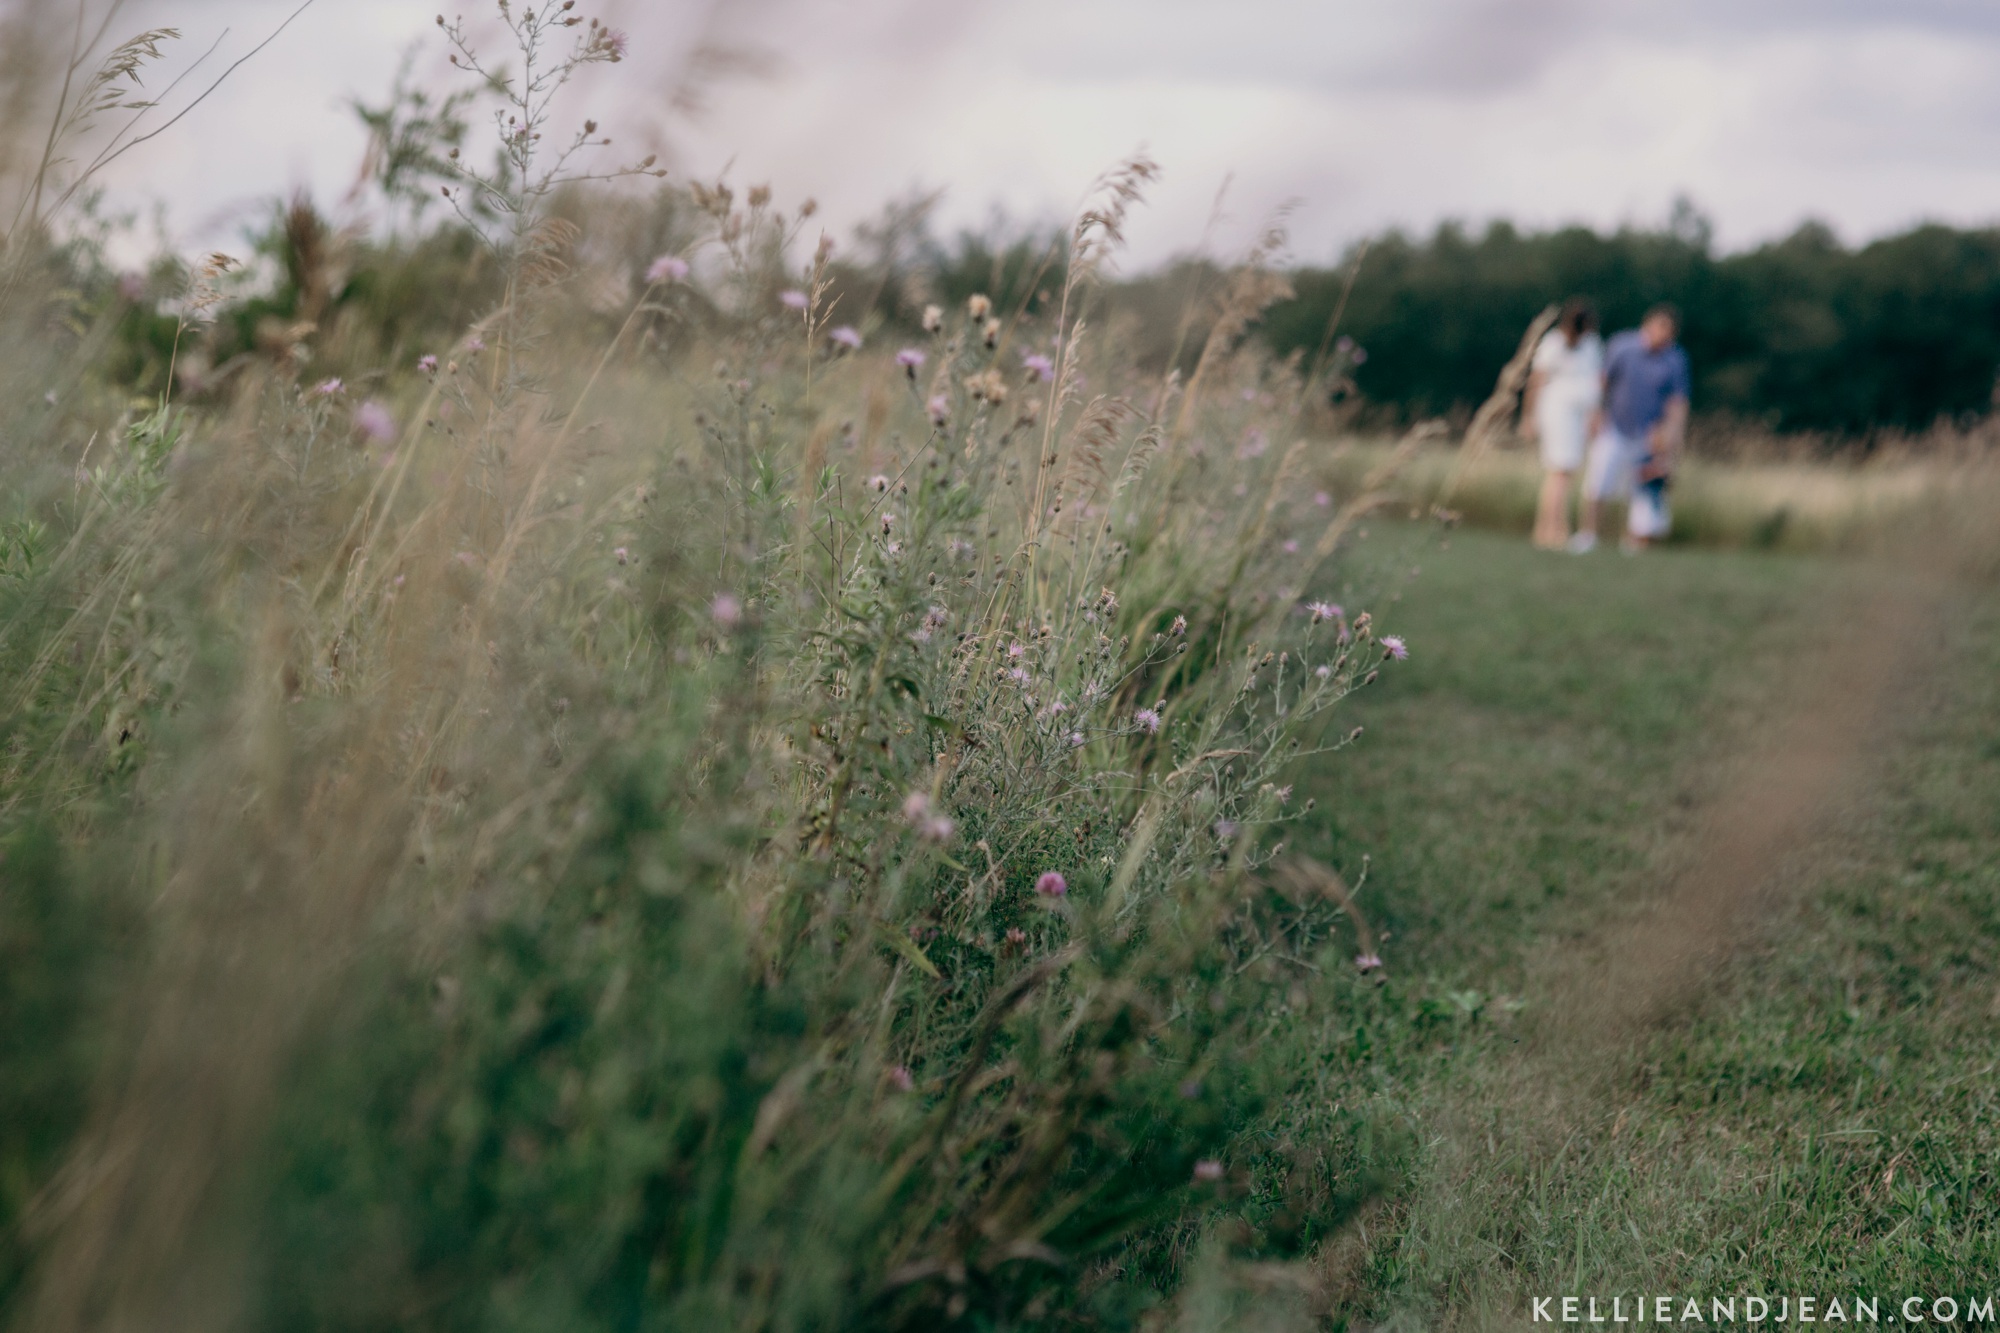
(581, 767)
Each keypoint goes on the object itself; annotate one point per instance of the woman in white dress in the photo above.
(1565, 388)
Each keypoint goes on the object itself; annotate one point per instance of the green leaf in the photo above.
(907, 947)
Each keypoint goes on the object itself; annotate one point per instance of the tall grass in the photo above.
(684, 819)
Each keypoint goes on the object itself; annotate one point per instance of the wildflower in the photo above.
(1344, 345)
(667, 268)
(475, 344)
(933, 319)
(939, 409)
(894, 548)
(1324, 611)
(1076, 740)
(911, 360)
(1322, 671)
(1396, 648)
(1179, 626)
(1291, 547)
(622, 555)
(1367, 962)
(793, 299)
(1285, 794)
(1255, 442)
(726, 610)
(847, 336)
(375, 421)
(1016, 937)
(878, 483)
(917, 807)
(901, 1077)
(328, 388)
(1225, 829)
(1148, 718)
(936, 829)
(1208, 1169)
(1015, 650)
(1039, 367)
(1051, 884)
(980, 306)
(1019, 675)
(613, 44)
(1322, 499)
(1358, 355)
(427, 364)
(991, 333)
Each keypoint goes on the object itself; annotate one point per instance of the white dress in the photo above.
(1572, 382)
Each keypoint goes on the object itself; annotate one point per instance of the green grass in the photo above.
(1823, 1120)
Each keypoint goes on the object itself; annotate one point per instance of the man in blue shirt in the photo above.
(1639, 429)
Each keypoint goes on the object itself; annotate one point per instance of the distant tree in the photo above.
(1802, 333)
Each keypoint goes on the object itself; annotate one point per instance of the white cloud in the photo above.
(1542, 110)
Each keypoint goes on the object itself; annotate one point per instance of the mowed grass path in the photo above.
(1823, 1119)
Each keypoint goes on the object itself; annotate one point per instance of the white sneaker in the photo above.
(1582, 543)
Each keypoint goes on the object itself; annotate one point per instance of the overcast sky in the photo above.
(1868, 114)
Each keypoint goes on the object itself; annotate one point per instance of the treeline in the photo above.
(1803, 334)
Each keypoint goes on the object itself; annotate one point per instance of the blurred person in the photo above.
(1639, 430)
(1565, 386)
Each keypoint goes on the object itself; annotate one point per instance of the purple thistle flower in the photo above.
(615, 44)
(375, 421)
(793, 299)
(1208, 1169)
(1322, 499)
(328, 388)
(847, 336)
(427, 364)
(475, 344)
(912, 360)
(1076, 740)
(1358, 355)
(667, 268)
(1039, 367)
(940, 410)
(726, 610)
(1396, 648)
(937, 829)
(1324, 611)
(1322, 671)
(1367, 962)
(1149, 719)
(917, 807)
(1051, 885)
(901, 1077)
